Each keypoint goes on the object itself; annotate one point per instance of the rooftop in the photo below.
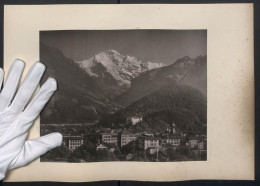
(149, 138)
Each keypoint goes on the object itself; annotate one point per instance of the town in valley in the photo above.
(106, 144)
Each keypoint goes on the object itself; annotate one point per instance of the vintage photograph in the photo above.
(126, 95)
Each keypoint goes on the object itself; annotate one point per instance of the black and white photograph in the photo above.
(126, 95)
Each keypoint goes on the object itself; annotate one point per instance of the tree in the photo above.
(60, 153)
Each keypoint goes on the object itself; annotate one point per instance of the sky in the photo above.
(160, 46)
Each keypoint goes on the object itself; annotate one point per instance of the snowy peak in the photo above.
(149, 65)
(114, 52)
(122, 68)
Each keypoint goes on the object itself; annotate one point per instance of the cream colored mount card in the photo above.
(230, 84)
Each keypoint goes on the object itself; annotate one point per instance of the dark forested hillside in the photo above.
(78, 98)
(188, 71)
(182, 105)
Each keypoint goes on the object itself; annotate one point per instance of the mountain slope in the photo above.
(179, 104)
(78, 98)
(187, 71)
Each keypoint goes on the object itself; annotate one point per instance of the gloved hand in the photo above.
(16, 118)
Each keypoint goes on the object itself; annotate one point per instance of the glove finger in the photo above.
(1, 77)
(42, 97)
(35, 148)
(28, 87)
(11, 83)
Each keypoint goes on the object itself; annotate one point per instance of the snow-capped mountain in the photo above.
(185, 71)
(113, 68)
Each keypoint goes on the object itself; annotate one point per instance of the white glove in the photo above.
(15, 119)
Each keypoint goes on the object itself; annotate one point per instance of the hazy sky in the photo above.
(164, 46)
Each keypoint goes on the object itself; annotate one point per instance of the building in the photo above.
(129, 148)
(172, 129)
(145, 142)
(134, 120)
(145, 133)
(72, 142)
(197, 142)
(105, 147)
(202, 145)
(152, 150)
(193, 143)
(101, 146)
(126, 137)
(201, 149)
(109, 137)
(173, 139)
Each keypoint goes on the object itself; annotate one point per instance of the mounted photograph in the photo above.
(126, 95)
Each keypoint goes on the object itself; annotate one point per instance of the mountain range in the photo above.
(108, 87)
(187, 71)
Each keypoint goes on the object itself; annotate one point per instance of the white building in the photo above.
(105, 147)
(109, 137)
(175, 140)
(134, 119)
(72, 142)
(197, 142)
(145, 142)
(126, 137)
